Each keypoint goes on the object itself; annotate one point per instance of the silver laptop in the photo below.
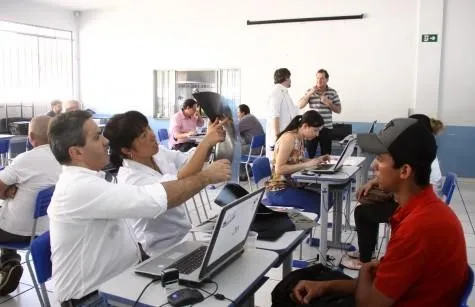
(371, 129)
(333, 168)
(197, 261)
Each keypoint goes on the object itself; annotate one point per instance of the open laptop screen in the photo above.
(232, 228)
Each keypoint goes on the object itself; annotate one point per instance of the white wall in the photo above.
(457, 91)
(371, 61)
(27, 12)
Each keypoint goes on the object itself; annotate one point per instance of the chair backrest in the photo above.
(162, 134)
(261, 169)
(42, 201)
(258, 141)
(468, 289)
(41, 254)
(4, 146)
(449, 186)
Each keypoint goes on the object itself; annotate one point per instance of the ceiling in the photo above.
(81, 5)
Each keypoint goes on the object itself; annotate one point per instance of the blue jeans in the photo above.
(300, 198)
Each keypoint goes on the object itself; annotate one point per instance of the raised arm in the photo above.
(304, 100)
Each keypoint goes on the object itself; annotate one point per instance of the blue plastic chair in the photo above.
(42, 202)
(258, 141)
(4, 148)
(163, 136)
(41, 253)
(468, 289)
(261, 170)
(449, 187)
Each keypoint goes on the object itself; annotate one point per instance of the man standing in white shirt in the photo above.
(20, 182)
(281, 108)
(87, 213)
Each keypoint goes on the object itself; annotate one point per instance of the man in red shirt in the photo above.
(425, 262)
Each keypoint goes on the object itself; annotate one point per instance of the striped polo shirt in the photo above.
(315, 103)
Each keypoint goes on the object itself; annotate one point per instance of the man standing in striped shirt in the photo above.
(325, 100)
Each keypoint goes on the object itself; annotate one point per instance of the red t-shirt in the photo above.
(426, 259)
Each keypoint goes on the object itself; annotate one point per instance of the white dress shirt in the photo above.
(171, 227)
(90, 240)
(436, 176)
(31, 171)
(279, 105)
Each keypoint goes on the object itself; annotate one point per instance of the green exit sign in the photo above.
(429, 38)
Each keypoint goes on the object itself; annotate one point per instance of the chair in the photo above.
(468, 289)
(41, 205)
(41, 253)
(449, 187)
(261, 171)
(163, 136)
(4, 148)
(258, 141)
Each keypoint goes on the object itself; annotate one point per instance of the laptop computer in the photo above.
(371, 129)
(197, 261)
(331, 168)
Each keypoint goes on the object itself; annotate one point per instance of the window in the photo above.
(36, 64)
(173, 87)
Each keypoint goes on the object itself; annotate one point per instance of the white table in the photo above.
(284, 246)
(344, 175)
(238, 282)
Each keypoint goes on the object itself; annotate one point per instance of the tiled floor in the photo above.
(25, 295)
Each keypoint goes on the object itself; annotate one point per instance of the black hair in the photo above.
(189, 103)
(311, 118)
(67, 130)
(244, 108)
(417, 148)
(323, 71)
(121, 131)
(280, 75)
(423, 120)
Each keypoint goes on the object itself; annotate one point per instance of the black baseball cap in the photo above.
(405, 139)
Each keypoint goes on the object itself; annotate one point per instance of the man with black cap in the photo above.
(426, 251)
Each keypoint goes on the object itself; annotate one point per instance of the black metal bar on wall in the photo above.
(261, 22)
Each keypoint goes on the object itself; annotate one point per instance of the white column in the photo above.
(428, 58)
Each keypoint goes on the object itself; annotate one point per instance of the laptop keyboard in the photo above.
(190, 262)
(324, 166)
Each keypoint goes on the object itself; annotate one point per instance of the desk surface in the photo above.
(235, 281)
(6, 136)
(342, 176)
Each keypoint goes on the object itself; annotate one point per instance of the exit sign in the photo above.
(429, 38)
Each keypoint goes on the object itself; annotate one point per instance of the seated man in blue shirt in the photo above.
(249, 126)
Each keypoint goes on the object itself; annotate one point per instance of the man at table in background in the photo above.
(183, 125)
(326, 101)
(87, 213)
(249, 126)
(20, 182)
(281, 108)
(426, 250)
(56, 108)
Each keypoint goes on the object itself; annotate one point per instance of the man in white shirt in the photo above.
(20, 182)
(90, 240)
(281, 108)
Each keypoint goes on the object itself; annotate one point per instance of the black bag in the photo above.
(281, 293)
(268, 224)
(340, 131)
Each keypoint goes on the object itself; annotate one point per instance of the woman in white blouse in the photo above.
(135, 150)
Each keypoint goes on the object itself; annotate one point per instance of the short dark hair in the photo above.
(67, 130)
(189, 103)
(121, 131)
(280, 75)
(55, 102)
(323, 71)
(243, 108)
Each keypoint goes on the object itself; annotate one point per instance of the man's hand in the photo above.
(307, 290)
(217, 171)
(10, 192)
(326, 101)
(363, 191)
(215, 132)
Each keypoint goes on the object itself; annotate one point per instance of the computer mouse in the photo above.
(185, 296)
